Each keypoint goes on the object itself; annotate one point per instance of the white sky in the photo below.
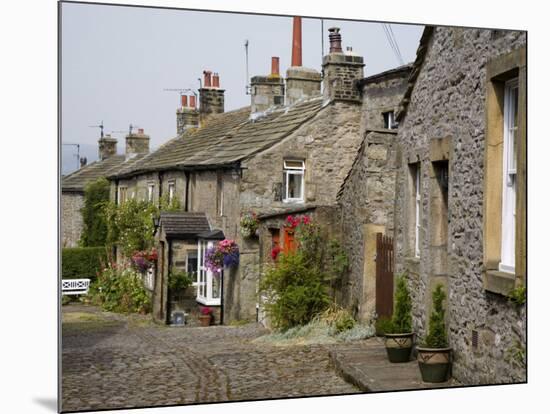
(116, 61)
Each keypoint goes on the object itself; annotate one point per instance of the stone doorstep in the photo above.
(367, 367)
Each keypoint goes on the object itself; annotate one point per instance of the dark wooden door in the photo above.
(384, 275)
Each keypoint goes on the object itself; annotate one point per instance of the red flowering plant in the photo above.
(275, 252)
(143, 260)
(295, 221)
(205, 310)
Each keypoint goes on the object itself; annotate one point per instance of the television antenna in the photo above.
(246, 85)
(100, 126)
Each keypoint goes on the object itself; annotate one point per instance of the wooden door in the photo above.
(384, 275)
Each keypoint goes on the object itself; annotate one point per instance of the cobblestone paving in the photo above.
(111, 361)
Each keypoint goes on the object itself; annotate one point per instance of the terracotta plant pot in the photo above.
(205, 320)
(434, 363)
(399, 346)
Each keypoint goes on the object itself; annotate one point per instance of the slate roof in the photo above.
(226, 139)
(183, 224)
(76, 181)
(420, 55)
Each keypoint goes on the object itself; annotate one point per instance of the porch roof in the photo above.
(183, 224)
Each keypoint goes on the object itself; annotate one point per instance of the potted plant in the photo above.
(249, 224)
(434, 357)
(398, 332)
(205, 317)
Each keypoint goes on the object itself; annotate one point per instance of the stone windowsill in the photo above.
(501, 283)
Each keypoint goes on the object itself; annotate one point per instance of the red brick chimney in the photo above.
(215, 80)
(275, 66)
(207, 79)
(297, 41)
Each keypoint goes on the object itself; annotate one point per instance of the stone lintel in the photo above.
(440, 149)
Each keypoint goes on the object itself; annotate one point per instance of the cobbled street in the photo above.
(115, 361)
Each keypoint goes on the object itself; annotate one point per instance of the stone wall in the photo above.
(328, 144)
(367, 203)
(71, 218)
(341, 72)
(448, 101)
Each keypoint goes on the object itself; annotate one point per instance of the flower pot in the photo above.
(247, 232)
(434, 364)
(399, 346)
(205, 320)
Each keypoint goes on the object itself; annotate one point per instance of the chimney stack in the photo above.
(137, 143)
(267, 91)
(335, 39)
(187, 116)
(107, 146)
(275, 66)
(301, 83)
(216, 80)
(341, 71)
(211, 96)
(296, 41)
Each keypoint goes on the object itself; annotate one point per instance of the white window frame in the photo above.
(171, 191)
(122, 189)
(205, 277)
(290, 170)
(150, 191)
(391, 119)
(417, 208)
(508, 223)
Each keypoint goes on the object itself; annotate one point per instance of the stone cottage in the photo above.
(73, 185)
(460, 210)
(367, 196)
(288, 153)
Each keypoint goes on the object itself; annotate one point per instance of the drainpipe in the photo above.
(221, 298)
(160, 188)
(186, 190)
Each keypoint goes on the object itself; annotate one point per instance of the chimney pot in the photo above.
(183, 101)
(335, 39)
(275, 65)
(297, 41)
(192, 102)
(207, 78)
(140, 131)
(216, 80)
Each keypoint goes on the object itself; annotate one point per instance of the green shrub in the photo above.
(167, 205)
(339, 319)
(82, 262)
(384, 325)
(518, 296)
(179, 280)
(402, 319)
(120, 289)
(130, 225)
(94, 232)
(437, 333)
(295, 291)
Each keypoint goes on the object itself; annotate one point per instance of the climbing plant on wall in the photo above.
(94, 232)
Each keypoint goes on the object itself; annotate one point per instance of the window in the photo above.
(192, 263)
(171, 191)
(389, 120)
(208, 283)
(507, 255)
(150, 191)
(414, 170)
(293, 181)
(122, 194)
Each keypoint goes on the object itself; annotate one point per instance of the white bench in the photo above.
(75, 286)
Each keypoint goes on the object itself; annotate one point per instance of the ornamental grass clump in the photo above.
(437, 333)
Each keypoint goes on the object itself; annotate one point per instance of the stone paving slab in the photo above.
(367, 367)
